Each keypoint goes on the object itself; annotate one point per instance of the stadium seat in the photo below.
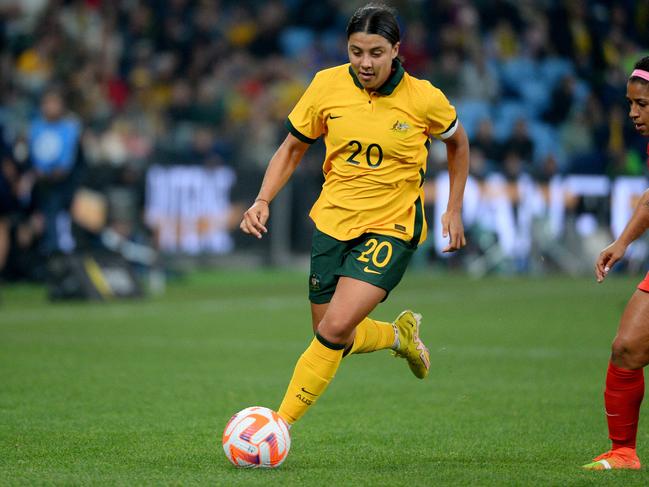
(554, 68)
(516, 69)
(296, 40)
(506, 115)
(471, 112)
(535, 94)
(545, 138)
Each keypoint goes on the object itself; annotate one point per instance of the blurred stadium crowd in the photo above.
(130, 85)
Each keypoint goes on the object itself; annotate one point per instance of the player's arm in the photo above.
(457, 153)
(281, 167)
(636, 226)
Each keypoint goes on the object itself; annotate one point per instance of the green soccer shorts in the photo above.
(377, 259)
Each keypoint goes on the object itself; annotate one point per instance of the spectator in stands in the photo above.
(520, 143)
(485, 141)
(479, 167)
(414, 49)
(447, 74)
(548, 169)
(8, 179)
(54, 151)
(20, 229)
(563, 97)
(478, 79)
(513, 165)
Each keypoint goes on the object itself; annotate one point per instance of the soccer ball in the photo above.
(256, 437)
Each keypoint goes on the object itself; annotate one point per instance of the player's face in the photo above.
(371, 58)
(637, 94)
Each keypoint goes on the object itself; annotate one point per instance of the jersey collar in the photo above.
(390, 84)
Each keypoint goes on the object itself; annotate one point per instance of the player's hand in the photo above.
(453, 228)
(607, 258)
(255, 218)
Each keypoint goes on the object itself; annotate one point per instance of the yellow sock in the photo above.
(313, 372)
(372, 335)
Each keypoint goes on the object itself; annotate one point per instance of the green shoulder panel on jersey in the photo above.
(297, 134)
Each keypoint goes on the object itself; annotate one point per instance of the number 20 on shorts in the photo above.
(374, 251)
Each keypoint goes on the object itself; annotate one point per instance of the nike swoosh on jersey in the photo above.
(370, 271)
(334, 116)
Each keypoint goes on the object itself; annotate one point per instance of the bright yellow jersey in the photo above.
(377, 146)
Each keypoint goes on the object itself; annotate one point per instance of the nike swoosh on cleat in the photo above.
(304, 390)
(370, 271)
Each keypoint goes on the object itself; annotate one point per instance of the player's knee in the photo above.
(335, 331)
(628, 354)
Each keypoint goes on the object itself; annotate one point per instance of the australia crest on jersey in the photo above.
(400, 127)
(314, 282)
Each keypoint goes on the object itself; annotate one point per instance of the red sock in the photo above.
(622, 398)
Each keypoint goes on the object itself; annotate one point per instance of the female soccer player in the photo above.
(630, 351)
(376, 121)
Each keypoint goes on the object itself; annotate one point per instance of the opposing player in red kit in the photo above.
(630, 351)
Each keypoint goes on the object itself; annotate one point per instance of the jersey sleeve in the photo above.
(305, 120)
(441, 117)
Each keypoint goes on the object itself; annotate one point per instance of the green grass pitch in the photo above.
(138, 393)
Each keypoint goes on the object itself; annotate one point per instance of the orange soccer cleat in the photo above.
(620, 458)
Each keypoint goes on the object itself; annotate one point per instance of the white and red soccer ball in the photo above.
(256, 437)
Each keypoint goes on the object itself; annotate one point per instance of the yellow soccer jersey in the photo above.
(376, 150)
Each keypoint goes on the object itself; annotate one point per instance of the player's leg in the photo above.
(625, 379)
(328, 256)
(317, 313)
(352, 301)
(382, 260)
(379, 260)
(625, 385)
(369, 335)
(630, 349)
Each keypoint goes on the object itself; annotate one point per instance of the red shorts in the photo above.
(644, 284)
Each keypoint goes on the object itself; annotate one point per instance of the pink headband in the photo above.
(640, 73)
